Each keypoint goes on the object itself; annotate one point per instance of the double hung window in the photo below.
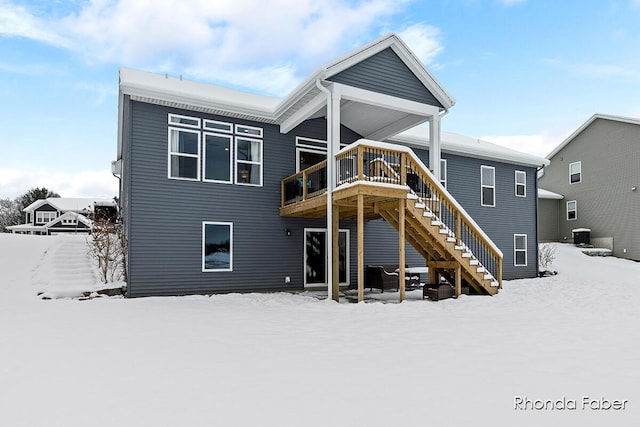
(521, 184)
(572, 210)
(575, 172)
(488, 186)
(520, 249)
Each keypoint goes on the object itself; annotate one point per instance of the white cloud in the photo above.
(100, 183)
(243, 43)
(423, 40)
(16, 21)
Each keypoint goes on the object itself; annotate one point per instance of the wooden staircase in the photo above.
(397, 186)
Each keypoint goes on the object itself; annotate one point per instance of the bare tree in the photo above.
(9, 214)
(546, 255)
(108, 248)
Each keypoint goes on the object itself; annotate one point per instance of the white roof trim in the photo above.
(546, 194)
(587, 123)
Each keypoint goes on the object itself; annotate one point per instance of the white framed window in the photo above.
(487, 186)
(251, 131)
(520, 250)
(186, 121)
(69, 221)
(218, 160)
(217, 126)
(248, 161)
(184, 154)
(575, 172)
(443, 172)
(521, 184)
(43, 217)
(217, 246)
(572, 210)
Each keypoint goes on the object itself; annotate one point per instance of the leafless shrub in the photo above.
(107, 246)
(546, 255)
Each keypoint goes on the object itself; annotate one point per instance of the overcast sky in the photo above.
(524, 73)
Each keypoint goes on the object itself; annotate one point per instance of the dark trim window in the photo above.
(575, 172)
(184, 154)
(520, 250)
(217, 246)
(572, 210)
(488, 186)
(217, 157)
(521, 184)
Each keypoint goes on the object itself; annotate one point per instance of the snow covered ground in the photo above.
(296, 360)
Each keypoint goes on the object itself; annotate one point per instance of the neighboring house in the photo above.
(226, 191)
(61, 215)
(596, 173)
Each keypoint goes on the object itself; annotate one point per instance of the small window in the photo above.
(217, 246)
(192, 122)
(575, 172)
(521, 184)
(488, 185)
(184, 154)
(217, 126)
(520, 249)
(572, 210)
(248, 161)
(217, 158)
(443, 172)
(249, 131)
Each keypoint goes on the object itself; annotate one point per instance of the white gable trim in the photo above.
(587, 124)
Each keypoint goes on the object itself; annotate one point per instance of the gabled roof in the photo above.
(64, 204)
(470, 147)
(587, 123)
(69, 215)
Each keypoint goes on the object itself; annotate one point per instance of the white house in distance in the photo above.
(61, 215)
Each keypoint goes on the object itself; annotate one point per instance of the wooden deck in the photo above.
(383, 181)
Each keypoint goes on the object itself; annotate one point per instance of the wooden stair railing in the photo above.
(454, 234)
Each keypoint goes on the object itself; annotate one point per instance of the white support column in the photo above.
(434, 145)
(333, 146)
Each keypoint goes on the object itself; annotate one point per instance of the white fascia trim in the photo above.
(586, 124)
(319, 101)
(386, 101)
(140, 91)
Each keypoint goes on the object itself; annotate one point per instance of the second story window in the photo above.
(575, 172)
(487, 186)
(521, 184)
(248, 161)
(184, 154)
(43, 217)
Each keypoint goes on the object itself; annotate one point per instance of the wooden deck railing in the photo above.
(387, 163)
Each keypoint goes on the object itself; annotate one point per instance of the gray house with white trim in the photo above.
(228, 191)
(595, 173)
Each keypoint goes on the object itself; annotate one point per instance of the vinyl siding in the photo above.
(385, 73)
(549, 218)
(610, 154)
(165, 216)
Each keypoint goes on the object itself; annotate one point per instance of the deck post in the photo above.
(434, 146)
(401, 240)
(333, 146)
(360, 247)
(458, 288)
(335, 229)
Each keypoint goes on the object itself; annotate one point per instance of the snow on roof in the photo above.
(546, 194)
(467, 146)
(593, 118)
(146, 84)
(65, 204)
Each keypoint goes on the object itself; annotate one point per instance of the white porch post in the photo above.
(333, 146)
(434, 145)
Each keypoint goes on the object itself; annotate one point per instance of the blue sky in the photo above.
(524, 73)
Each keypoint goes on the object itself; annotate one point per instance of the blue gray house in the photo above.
(227, 191)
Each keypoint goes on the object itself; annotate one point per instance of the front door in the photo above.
(315, 252)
